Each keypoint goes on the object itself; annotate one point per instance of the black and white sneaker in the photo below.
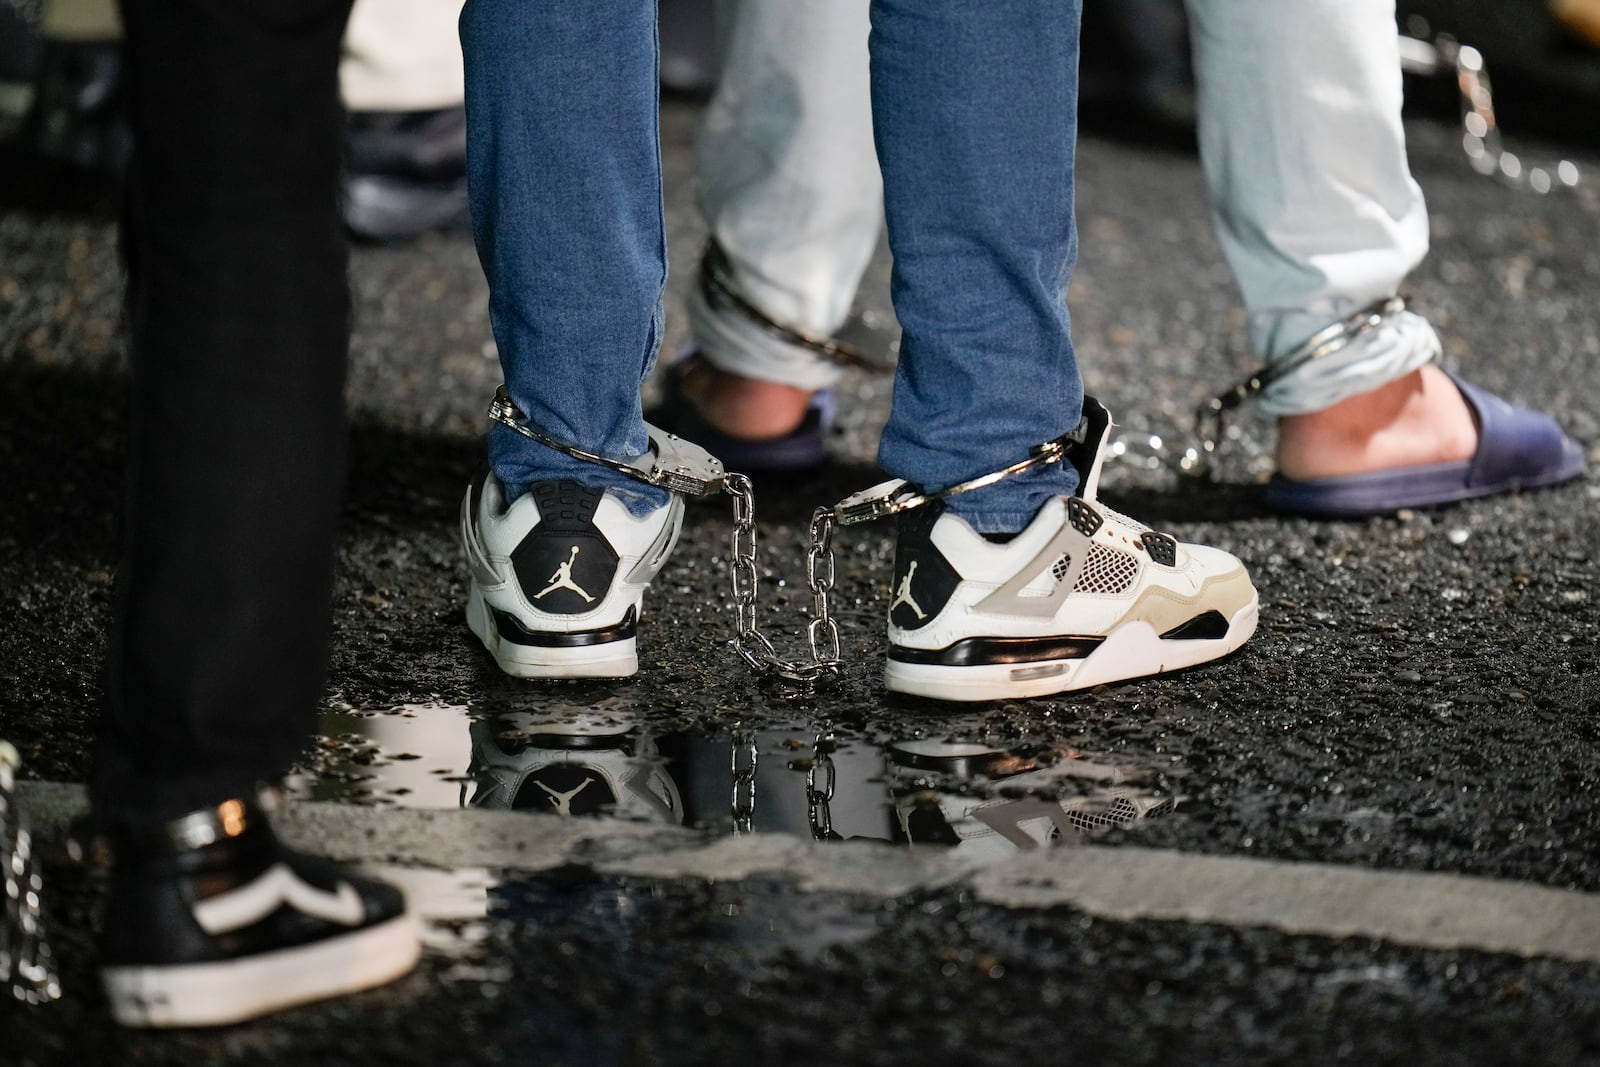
(210, 920)
(1081, 597)
(558, 576)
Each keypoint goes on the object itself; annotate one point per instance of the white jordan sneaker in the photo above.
(1081, 597)
(558, 576)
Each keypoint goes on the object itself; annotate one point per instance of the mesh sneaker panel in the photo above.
(1106, 571)
(1059, 570)
(1133, 524)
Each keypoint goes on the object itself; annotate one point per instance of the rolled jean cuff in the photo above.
(1400, 345)
(735, 344)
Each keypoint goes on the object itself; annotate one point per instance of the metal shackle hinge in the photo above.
(671, 463)
(897, 495)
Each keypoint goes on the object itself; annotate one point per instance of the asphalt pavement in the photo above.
(1373, 835)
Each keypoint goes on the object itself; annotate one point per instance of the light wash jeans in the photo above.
(565, 182)
(1300, 137)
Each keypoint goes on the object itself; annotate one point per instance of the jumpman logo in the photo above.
(563, 801)
(903, 596)
(562, 579)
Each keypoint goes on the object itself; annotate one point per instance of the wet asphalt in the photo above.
(1423, 694)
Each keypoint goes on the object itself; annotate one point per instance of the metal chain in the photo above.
(743, 805)
(683, 467)
(720, 292)
(26, 962)
(1480, 137)
(753, 646)
(881, 501)
(819, 797)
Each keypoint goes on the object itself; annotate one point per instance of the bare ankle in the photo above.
(745, 407)
(1420, 418)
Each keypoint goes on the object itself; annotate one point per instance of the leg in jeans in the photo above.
(218, 655)
(975, 109)
(564, 177)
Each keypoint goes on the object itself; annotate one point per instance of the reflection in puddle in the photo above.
(601, 760)
(598, 760)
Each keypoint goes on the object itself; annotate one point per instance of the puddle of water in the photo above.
(600, 760)
(471, 914)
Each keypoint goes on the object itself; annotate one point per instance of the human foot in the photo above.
(750, 424)
(743, 407)
(1421, 418)
(1406, 446)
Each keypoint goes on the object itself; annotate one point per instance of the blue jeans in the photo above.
(975, 113)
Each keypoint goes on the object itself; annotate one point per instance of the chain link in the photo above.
(753, 646)
(680, 466)
(743, 805)
(1480, 129)
(26, 962)
(819, 797)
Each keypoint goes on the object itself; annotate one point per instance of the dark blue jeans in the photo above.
(975, 113)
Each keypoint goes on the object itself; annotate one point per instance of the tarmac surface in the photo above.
(1373, 835)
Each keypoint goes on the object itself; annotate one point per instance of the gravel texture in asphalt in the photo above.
(1423, 692)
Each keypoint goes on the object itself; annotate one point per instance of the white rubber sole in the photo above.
(1133, 650)
(216, 994)
(613, 659)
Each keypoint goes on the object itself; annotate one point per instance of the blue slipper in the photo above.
(803, 448)
(1517, 449)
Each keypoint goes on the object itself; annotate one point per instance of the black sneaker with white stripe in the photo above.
(211, 920)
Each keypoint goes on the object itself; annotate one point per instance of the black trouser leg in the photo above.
(239, 320)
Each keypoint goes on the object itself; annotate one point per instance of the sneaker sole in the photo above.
(216, 994)
(609, 659)
(1134, 650)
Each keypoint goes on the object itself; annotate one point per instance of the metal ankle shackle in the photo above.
(718, 288)
(681, 466)
(1211, 416)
